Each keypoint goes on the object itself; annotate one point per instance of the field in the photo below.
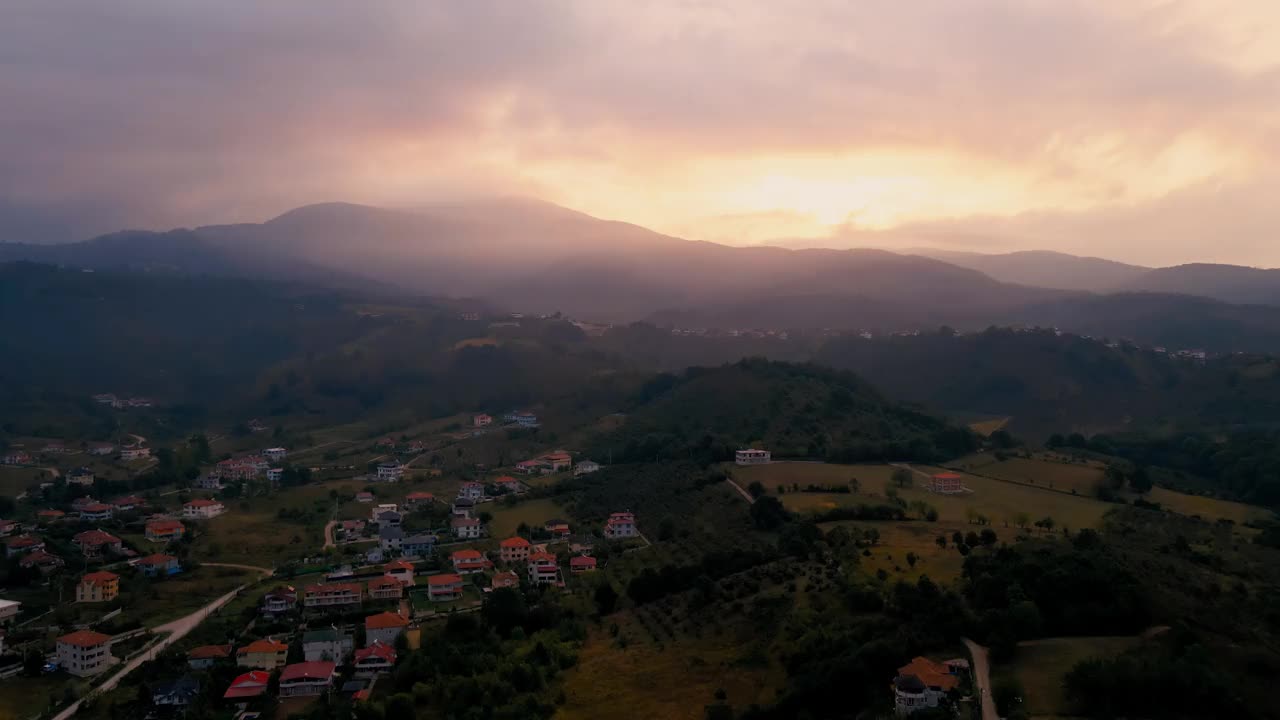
(25, 697)
(533, 512)
(942, 565)
(1040, 665)
(986, 427)
(1081, 478)
(1206, 507)
(672, 678)
(184, 593)
(16, 480)
(871, 477)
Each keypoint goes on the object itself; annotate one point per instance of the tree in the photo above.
(767, 513)
(901, 477)
(1115, 476)
(756, 489)
(401, 706)
(606, 598)
(1020, 519)
(1139, 481)
(911, 559)
(988, 537)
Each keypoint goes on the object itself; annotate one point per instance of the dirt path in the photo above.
(328, 534)
(982, 679)
(252, 568)
(745, 495)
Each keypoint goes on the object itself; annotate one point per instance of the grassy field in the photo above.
(534, 512)
(1040, 665)
(1206, 507)
(1083, 478)
(16, 480)
(986, 427)
(942, 565)
(999, 501)
(22, 697)
(183, 594)
(672, 679)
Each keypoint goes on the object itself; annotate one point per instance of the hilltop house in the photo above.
(202, 509)
(84, 653)
(128, 503)
(558, 528)
(621, 525)
(364, 496)
(471, 490)
(164, 530)
(134, 452)
(206, 656)
(275, 454)
(466, 562)
(327, 645)
(557, 461)
(159, 565)
(265, 654)
(390, 471)
(481, 420)
(377, 658)
(442, 588)
(946, 483)
(342, 595)
(80, 476)
(462, 507)
(508, 484)
(382, 508)
(306, 678)
(96, 587)
(465, 528)
(209, 482)
(532, 467)
(581, 564)
(248, 686)
(513, 549)
(101, 448)
(922, 683)
(751, 456)
(275, 475)
(418, 499)
(526, 419)
(384, 627)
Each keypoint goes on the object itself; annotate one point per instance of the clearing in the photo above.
(532, 512)
(1041, 665)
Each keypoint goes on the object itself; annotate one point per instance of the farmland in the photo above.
(531, 512)
(1072, 477)
(941, 564)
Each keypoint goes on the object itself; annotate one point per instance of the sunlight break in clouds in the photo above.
(1139, 129)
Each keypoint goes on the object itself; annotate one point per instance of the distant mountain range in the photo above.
(537, 257)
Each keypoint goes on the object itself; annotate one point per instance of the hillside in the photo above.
(1044, 268)
(792, 410)
(1229, 283)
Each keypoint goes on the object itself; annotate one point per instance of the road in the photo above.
(176, 630)
(982, 679)
(253, 568)
(328, 534)
(746, 495)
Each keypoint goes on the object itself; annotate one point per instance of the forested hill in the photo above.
(794, 410)
(1049, 383)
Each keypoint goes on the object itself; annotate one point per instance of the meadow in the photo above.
(1041, 665)
(531, 512)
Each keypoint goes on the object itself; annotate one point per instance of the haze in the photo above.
(1139, 131)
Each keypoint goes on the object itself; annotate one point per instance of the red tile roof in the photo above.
(209, 652)
(84, 638)
(266, 645)
(318, 670)
(397, 565)
(442, 580)
(24, 541)
(157, 559)
(95, 508)
(466, 555)
(582, 561)
(377, 649)
(102, 576)
(514, 542)
(202, 503)
(95, 537)
(385, 620)
(542, 557)
(382, 582)
(930, 673)
(164, 526)
(250, 684)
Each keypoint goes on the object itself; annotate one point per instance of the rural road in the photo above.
(177, 630)
(745, 495)
(328, 534)
(254, 568)
(982, 679)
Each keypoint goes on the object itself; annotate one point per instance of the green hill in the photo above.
(793, 410)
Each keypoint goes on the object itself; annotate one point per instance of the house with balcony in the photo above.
(751, 456)
(514, 550)
(465, 528)
(164, 530)
(306, 678)
(279, 601)
(248, 686)
(84, 653)
(445, 587)
(375, 659)
(265, 654)
(327, 645)
(543, 569)
(96, 544)
(159, 565)
(385, 588)
(202, 509)
(95, 512)
(421, 545)
(621, 525)
(206, 656)
(384, 627)
(467, 562)
(338, 595)
(97, 587)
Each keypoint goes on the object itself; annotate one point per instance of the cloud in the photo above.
(718, 119)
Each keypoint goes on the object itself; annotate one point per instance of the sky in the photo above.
(1142, 130)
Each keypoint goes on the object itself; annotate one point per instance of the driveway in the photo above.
(176, 630)
(982, 679)
(745, 495)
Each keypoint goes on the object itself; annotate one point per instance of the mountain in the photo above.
(794, 410)
(1044, 268)
(1229, 283)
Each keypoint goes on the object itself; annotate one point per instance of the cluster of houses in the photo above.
(554, 462)
(22, 458)
(246, 467)
(120, 403)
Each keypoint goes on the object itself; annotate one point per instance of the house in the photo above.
(401, 570)
(279, 601)
(751, 456)
(513, 549)
(79, 503)
(209, 482)
(9, 610)
(389, 518)
(621, 525)
(164, 530)
(471, 490)
(343, 595)
(384, 627)
(505, 579)
(385, 588)
(418, 545)
(585, 467)
(390, 538)
(265, 654)
(96, 587)
(327, 645)
(8, 527)
(84, 653)
(128, 503)
(80, 476)
(159, 565)
(374, 555)
(465, 528)
(481, 420)
(134, 453)
(42, 561)
(101, 448)
(466, 562)
(377, 658)
(557, 461)
(442, 588)
(922, 683)
(419, 499)
(532, 467)
(526, 419)
(17, 457)
(48, 516)
(390, 471)
(201, 509)
(462, 507)
(543, 569)
(581, 564)
(352, 527)
(206, 656)
(96, 543)
(364, 496)
(249, 685)
(558, 528)
(306, 678)
(381, 508)
(22, 544)
(508, 484)
(275, 454)
(275, 475)
(95, 512)
(176, 693)
(946, 483)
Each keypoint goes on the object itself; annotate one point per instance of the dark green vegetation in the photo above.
(795, 410)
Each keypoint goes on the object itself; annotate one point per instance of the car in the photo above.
(50, 667)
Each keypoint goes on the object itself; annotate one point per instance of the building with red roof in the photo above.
(249, 685)
(22, 544)
(946, 483)
(466, 562)
(96, 587)
(922, 683)
(621, 525)
(543, 569)
(165, 530)
(514, 549)
(401, 570)
(206, 656)
(384, 627)
(96, 543)
(95, 511)
(504, 579)
(418, 498)
(581, 564)
(159, 565)
(375, 659)
(345, 595)
(84, 653)
(306, 678)
(445, 587)
(202, 509)
(265, 654)
(385, 588)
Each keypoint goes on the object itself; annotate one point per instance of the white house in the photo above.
(390, 471)
(306, 678)
(382, 508)
(275, 475)
(751, 456)
(135, 453)
(471, 490)
(84, 653)
(526, 419)
(621, 525)
(384, 627)
(465, 528)
(586, 467)
(201, 509)
(275, 454)
(326, 644)
(209, 482)
(80, 476)
(922, 684)
(9, 610)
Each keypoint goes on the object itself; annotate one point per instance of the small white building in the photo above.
(751, 456)
(84, 653)
(621, 525)
(390, 471)
(465, 528)
(275, 475)
(275, 454)
(586, 467)
(202, 509)
(9, 610)
(471, 490)
(134, 453)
